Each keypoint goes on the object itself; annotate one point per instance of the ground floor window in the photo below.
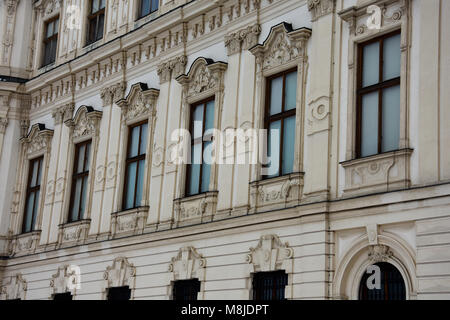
(269, 285)
(119, 293)
(66, 296)
(186, 290)
(391, 286)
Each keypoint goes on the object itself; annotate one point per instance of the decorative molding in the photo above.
(271, 255)
(139, 104)
(242, 39)
(379, 253)
(8, 31)
(188, 264)
(195, 209)
(318, 116)
(85, 123)
(24, 244)
(3, 125)
(320, 8)
(172, 68)
(66, 279)
(129, 223)
(113, 93)
(74, 233)
(38, 139)
(15, 288)
(63, 113)
(283, 45)
(121, 273)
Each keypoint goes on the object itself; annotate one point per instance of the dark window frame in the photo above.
(49, 40)
(115, 294)
(141, 14)
(30, 190)
(186, 290)
(378, 87)
(131, 160)
(279, 279)
(95, 15)
(203, 102)
(76, 176)
(268, 119)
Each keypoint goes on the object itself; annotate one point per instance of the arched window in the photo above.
(392, 285)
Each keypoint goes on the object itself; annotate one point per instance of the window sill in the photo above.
(275, 193)
(378, 173)
(195, 209)
(129, 222)
(74, 233)
(25, 243)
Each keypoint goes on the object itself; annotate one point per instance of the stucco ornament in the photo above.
(188, 264)
(270, 254)
(121, 273)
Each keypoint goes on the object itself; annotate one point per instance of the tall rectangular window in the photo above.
(147, 7)
(135, 166)
(201, 126)
(96, 21)
(80, 181)
(186, 290)
(32, 195)
(378, 114)
(50, 41)
(269, 285)
(280, 122)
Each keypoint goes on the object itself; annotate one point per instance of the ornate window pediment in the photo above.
(282, 46)
(15, 288)
(121, 273)
(38, 140)
(271, 255)
(188, 264)
(204, 79)
(86, 123)
(49, 8)
(67, 279)
(140, 104)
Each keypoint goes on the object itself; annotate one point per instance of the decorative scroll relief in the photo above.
(74, 233)
(14, 288)
(282, 46)
(172, 68)
(318, 115)
(379, 253)
(120, 274)
(205, 75)
(24, 244)
(66, 279)
(38, 140)
(3, 125)
(320, 8)
(63, 113)
(279, 192)
(384, 172)
(130, 222)
(196, 209)
(8, 35)
(242, 39)
(188, 264)
(139, 104)
(270, 255)
(86, 123)
(113, 93)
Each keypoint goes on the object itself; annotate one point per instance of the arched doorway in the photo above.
(392, 284)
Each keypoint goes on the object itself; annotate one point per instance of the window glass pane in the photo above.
(143, 147)
(92, 28)
(276, 95)
(209, 118)
(34, 176)
(38, 182)
(369, 125)
(130, 186)
(140, 183)
(134, 142)
(371, 64)
(101, 24)
(155, 4)
(76, 200)
(391, 119)
(88, 157)
(288, 145)
(80, 160)
(145, 7)
(49, 29)
(29, 213)
(206, 168)
(35, 209)
(391, 57)
(102, 4)
(83, 197)
(194, 179)
(95, 5)
(291, 91)
(197, 117)
(273, 148)
(56, 26)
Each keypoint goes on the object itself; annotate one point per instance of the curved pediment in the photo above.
(140, 102)
(38, 138)
(85, 123)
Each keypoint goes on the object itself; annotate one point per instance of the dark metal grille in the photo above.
(186, 290)
(67, 296)
(119, 293)
(269, 285)
(392, 285)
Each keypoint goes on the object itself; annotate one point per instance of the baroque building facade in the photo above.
(94, 205)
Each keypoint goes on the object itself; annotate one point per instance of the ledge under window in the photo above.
(195, 209)
(74, 233)
(24, 244)
(129, 223)
(275, 193)
(379, 173)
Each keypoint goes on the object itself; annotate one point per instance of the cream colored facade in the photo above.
(323, 225)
